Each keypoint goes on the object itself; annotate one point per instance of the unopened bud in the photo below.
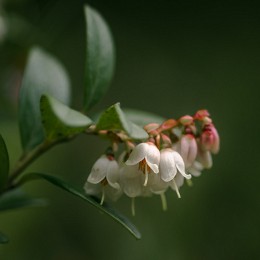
(201, 114)
(209, 139)
(186, 120)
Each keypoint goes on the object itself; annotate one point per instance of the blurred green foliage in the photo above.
(173, 57)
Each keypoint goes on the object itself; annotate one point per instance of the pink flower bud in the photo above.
(186, 120)
(209, 139)
(201, 114)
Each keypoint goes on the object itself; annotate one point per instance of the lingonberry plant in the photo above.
(147, 153)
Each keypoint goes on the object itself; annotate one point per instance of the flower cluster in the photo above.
(176, 150)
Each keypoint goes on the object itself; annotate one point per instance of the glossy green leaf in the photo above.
(115, 119)
(43, 75)
(105, 208)
(143, 118)
(4, 163)
(3, 238)
(59, 120)
(18, 199)
(100, 57)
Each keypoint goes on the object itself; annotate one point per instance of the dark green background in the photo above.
(173, 57)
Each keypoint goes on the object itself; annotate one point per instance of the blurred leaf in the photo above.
(114, 119)
(143, 118)
(100, 57)
(92, 200)
(18, 199)
(4, 163)
(61, 121)
(3, 238)
(43, 75)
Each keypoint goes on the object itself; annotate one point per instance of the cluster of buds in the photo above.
(175, 150)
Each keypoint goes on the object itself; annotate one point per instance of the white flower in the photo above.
(105, 169)
(130, 180)
(104, 177)
(187, 148)
(147, 156)
(205, 158)
(107, 191)
(156, 184)
(172, 168)
(195, 169)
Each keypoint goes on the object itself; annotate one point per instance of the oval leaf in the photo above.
(100, 57)
(43, 75)
(3, 238)
(118, 217)
(4, 163)
(18, 199)
(143, 118)
(59, 120)
(114, 119)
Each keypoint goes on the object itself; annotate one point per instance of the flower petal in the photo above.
(156, 184)
(195, 169)
(92, 189)
(204, 157)
(138, 154)
(133, 187)
(153, 166)
(152, 154)
(167, 166)
(112, 174)
(99, 169)
(113, 194)
(180, 165)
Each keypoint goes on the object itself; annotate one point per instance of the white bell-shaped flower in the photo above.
(106, 191)
(105, 168)
(130, 180)
(195, 169)
(147, 156)
(187, 148)
(104, 177)
(172, 168)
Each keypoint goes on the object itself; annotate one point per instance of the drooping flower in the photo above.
(172, 168)
(195, 169)
(209, 139)
(147, 156)
(205, 158)
(105, 175)
(130, 180)
(187, 148)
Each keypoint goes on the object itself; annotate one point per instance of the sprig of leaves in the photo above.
(46, 119)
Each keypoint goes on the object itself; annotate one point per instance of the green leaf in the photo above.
(118, 217)
(100, 58)
(3, 238)
(4, 163)
(143, 118)
(43, 75)
(114, 119)
(61, 121)
(18, 199)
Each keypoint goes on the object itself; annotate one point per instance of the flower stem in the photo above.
(133, 206)
(164, 201)
(176, 189)
(103, 197)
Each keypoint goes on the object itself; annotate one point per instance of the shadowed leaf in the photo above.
(4, 163)
(118, 217)
(43, 75)
(114, 119)
(61, 121)
(100, 57)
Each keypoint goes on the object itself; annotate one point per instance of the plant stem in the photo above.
(27, 159)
